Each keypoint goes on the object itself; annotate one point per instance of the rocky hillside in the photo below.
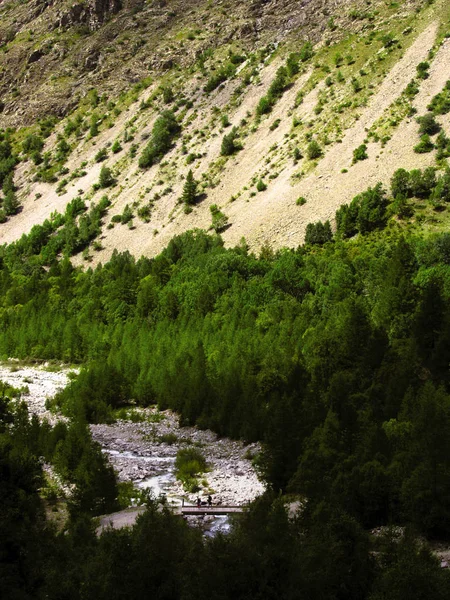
(275, 112)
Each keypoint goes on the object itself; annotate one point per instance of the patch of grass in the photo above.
(168, 438)
(189, 464)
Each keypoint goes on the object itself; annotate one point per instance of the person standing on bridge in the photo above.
(199, 502)
(209, 501)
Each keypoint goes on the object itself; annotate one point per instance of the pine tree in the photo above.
(10, 203)
(189, 195)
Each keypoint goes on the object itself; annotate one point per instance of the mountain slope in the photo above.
(349, 93)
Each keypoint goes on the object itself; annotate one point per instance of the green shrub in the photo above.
(164, 131)
(276, 89)
(297, 154)
(425, 145)
(127, 215)
(229, 144)
(292, 65)
(338, 59)
(306, 52)
(440, 104)
(219, 219)
(428, 124)
(168, 438)
(261, 186)
(313, 150)
(116, 147)
(101, 155)
(356, 85)
(168, 95)
(264, 106)
(189, 463)
(220, 76)
(106, 178)
(32, 143)
(422, 70)
(62, 150)
(275, 124)
(412, 89)
(360, 153)
(10, 203)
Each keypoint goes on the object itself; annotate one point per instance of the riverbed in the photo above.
(144, 452)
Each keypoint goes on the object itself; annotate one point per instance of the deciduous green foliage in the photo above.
(163, 133)
(415, 183)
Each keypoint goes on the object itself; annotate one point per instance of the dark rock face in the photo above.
(35, 56)
(93, 13)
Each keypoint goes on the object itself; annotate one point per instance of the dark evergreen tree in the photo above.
(189, 195)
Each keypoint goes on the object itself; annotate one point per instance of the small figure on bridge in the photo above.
(199, 502)
(209, 501)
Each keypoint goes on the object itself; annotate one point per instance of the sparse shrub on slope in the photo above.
(219, 219)
(313, 150)
(428, 124)
(229, 143)
(106, 178)
(220, 76)
(425, 145)
(360, 153)
(277, 87)
(164, 131)
(440, 104)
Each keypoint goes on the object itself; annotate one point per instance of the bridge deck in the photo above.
(211, 510)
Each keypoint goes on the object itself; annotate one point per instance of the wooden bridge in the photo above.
(191, 511)
(127, 517)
